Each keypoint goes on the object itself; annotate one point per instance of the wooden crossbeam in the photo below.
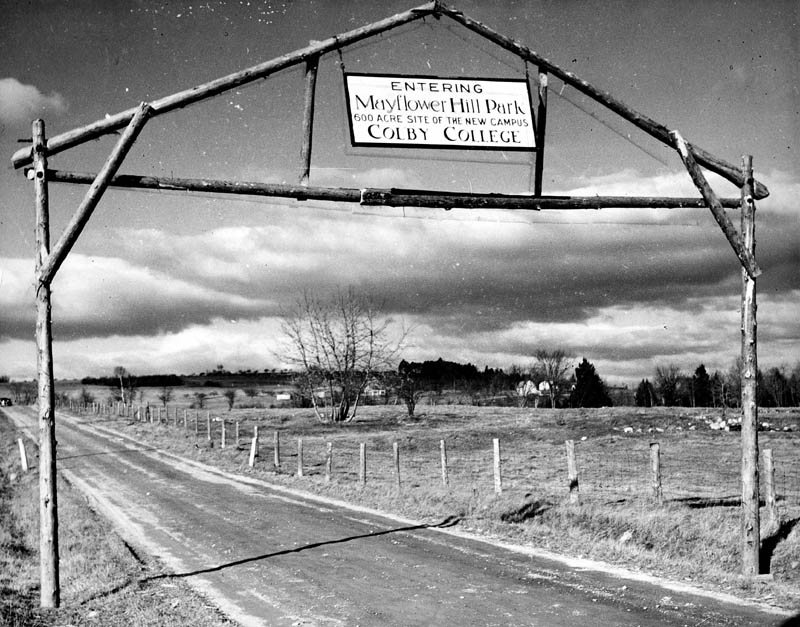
(75, 137)
(645, 123)
(392, 197)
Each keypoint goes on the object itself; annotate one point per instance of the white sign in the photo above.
(429, 112)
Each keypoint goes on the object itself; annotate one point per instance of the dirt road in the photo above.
(269, 557)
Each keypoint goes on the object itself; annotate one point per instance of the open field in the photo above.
(693, 537)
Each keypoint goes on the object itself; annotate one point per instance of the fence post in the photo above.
(328, 461)
(208, 426)
(196, 427)
(773, 515)
(237, 434)
(498, 482)
(655, 472)
(396, 456)
(299, 457)
(443, 455)
(362, 463)
(572, 471)
(277, 450)
(175, 419)
(23, 457)
(222, 442)
(184, 418)
(254, 447)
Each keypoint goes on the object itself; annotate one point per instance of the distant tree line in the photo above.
(138, 381)
(583, 388)
(671, 387)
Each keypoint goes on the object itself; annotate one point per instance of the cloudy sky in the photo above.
(173, 282)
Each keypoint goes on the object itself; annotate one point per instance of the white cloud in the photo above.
(784, 192)
(20, 103)
(102, 296)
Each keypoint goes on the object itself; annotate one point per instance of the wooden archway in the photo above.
(49, 259)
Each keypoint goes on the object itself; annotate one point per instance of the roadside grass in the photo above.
(693, 537)
(103, 582)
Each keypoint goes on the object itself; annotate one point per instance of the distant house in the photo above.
(283, 396)
(527, 390)
(374, 392)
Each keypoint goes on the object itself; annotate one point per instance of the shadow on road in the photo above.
(447, 522)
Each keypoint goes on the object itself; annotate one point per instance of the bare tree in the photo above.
(120, 373)
(126, 392)
(667, 381)
(199, 400)
(166, 395)
(337, 344)
(552, 367)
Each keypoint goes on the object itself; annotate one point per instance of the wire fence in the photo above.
(699, 472)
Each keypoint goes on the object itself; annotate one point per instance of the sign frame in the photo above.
(531, 116)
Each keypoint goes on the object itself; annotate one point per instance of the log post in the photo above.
(541, 124)
(773, 515)
(312, 64)
(222, 441)
(237, 434)
(362, 464)
(396, 459)
(50, 589)
(328, 461)
(498, 482)
(196, 426)
(253, 448)
(572, 471)
(23, 456)
(299, 457)
(208, 426)
(655, 472)
(277, 449)
(750, 522)
(443, 456)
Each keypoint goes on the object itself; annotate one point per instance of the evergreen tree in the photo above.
(701, 387)
(589, 390)
(645, 394)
